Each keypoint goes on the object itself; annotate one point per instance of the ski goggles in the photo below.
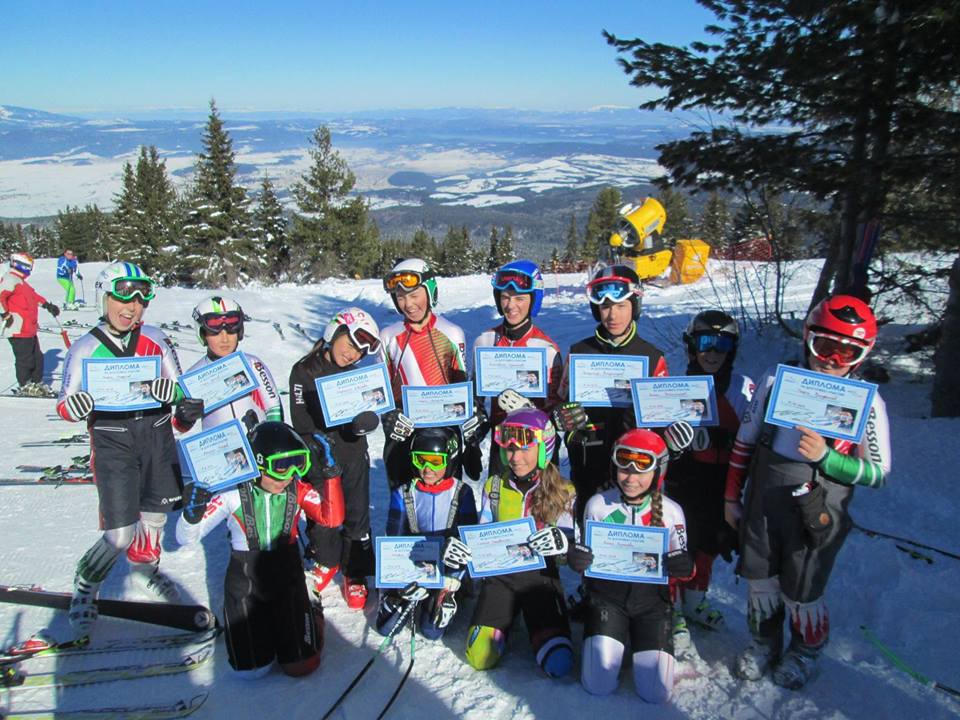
(517, 280)
(407, 280)
(364, 340)
(614, 289)
(215, 323)
(435, 461)
(126, 289)
(630, 458)
(519, 436)
(283, 466)
(718, 343)
(841, 350)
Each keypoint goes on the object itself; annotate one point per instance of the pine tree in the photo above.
(714, 226)
(83, 231)
(505, 252)
(602, 220)
(678, 225)
(571, 252)
(456, 256)
(494, 252)
(270, 232)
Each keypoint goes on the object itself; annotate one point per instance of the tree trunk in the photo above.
(946, 383)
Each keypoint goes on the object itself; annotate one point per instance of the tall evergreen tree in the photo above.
(456, 255)
(86, 232)
(678, 224)
(270, 232)
(505, 252)
(714, 225)
(493, 253)
(571, 251)
(602, 220)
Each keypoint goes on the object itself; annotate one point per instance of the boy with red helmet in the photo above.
(787, 556)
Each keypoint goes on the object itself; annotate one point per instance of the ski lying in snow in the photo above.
(71, 678)
(34, 648)
(78, 464)
(183, 617)
(55, 480)
(298, 328)
(78, 439)
(178, 709)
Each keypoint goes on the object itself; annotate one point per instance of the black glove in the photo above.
(812, 504)
(365, 423)
(397, 426)
(579, 557)
(163, 390)
(195, 499)
(569, 417)
(7, 319)
(728, 542)
(79, 276)
(678, 564)
(189, 411)
(51, 308)
(476, 426)
(250, 420)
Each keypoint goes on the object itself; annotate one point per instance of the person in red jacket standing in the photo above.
(19, 302)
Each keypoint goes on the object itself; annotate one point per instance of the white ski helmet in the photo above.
(216, 313)
(22, 262)
(409, 274)
(362, 328)
(123, 280)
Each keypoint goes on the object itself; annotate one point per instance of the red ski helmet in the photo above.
(642, 450)
(841, 327)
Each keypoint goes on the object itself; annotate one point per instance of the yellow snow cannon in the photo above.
(638, 238)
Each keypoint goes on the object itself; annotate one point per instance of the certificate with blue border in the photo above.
(658, 402)
(835, 407)
(221, 382)
(627, 553)
(523, 369)
(406, 559)
(438, 405)
(220, 457)
(120, 384)
(501, 548)
(604, 380)
(347, 394)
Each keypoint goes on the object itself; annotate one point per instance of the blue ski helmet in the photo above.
(522, 276)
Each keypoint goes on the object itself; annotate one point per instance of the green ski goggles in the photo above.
(283, 466)
(127, 288)
(435, 461)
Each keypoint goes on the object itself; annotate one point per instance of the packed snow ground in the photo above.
(909, 603)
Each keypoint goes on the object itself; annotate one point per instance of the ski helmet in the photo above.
(642, 450)
(435, 441)
(522, 276)
(362, 328)
(279, 451)
(407, 275)
(124, 281)
(524, 427)
(614, 284)
(217, 313)
(841, 327)
(712, 329)
(22, 262)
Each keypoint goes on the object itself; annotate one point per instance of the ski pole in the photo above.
(413, 650)
(877, 533)
(897, 662)
(63, 333)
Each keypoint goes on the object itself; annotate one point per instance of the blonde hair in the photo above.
(552, 498)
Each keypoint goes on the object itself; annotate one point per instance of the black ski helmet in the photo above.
(711, 322)
(270, 438)
(624, 272)
(438, 440)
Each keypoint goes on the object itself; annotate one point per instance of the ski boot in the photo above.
(683, 647)
(319, 576)
(758, 657)
(154, 582)
(355, 593)
(799, 665)
(83, 606)
(697, 609)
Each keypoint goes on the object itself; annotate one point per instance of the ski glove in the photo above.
(51, 308)
(364, 423)
(549, 541)
(189, 411)
(413, 593)
(475, 427)
(195, 499)
(451, 583)
(569, 417)
(79, 276)
(444, 611)
(7, 319)
(510, 400)
(812, 504)
(79, 404)
(678, 564)
(678, 435)
(455, 553)
(164, 390)
(579, 557)
(397, 426)
(728, 542)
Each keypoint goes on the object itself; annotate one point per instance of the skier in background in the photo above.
(67, 270)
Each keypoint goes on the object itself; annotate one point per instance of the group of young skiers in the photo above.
(777, 496)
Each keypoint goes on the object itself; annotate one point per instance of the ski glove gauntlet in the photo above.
(455, 553)
(678, 436)
(164, 390)
(579, 557)
(195, 499)
(79, 404)
(510, 400)
(475, 427)
(569, 417)
(549, 541)
(189, 411)
(397, 426)
(678, 564)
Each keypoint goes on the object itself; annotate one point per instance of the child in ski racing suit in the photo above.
(533, 488)
(132, 454)
(633, 614)
(67, 269)
(698, 478)
(349, 336)
(435, 503)
(267, 612)
(794, 518)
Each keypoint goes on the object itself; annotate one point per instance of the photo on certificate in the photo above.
(658, 402)
(345, 395)
(221, 382)
(406, 559)
(219, 458)
(627, 553)
(511, 368)
(501, 548)
(604, 380)
(438, 405)
(835, 407)
(120, 384)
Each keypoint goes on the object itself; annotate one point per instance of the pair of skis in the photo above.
(78, 472)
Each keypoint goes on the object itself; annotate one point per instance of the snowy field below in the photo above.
(908, 602)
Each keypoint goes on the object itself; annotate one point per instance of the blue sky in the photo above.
(329, 56)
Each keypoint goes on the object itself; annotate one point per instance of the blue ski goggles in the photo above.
(516, 280)
(718, 343)
(611, 289)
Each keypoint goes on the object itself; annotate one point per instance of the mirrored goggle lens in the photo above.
(434, 461)
(718, 343)
(283, 466)
(406, 280)
(365, 340)
(612, 290)
(631, 458)
(516, 435)
(231, 322)
(521, 282)
(841, 351)
(128, 288)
